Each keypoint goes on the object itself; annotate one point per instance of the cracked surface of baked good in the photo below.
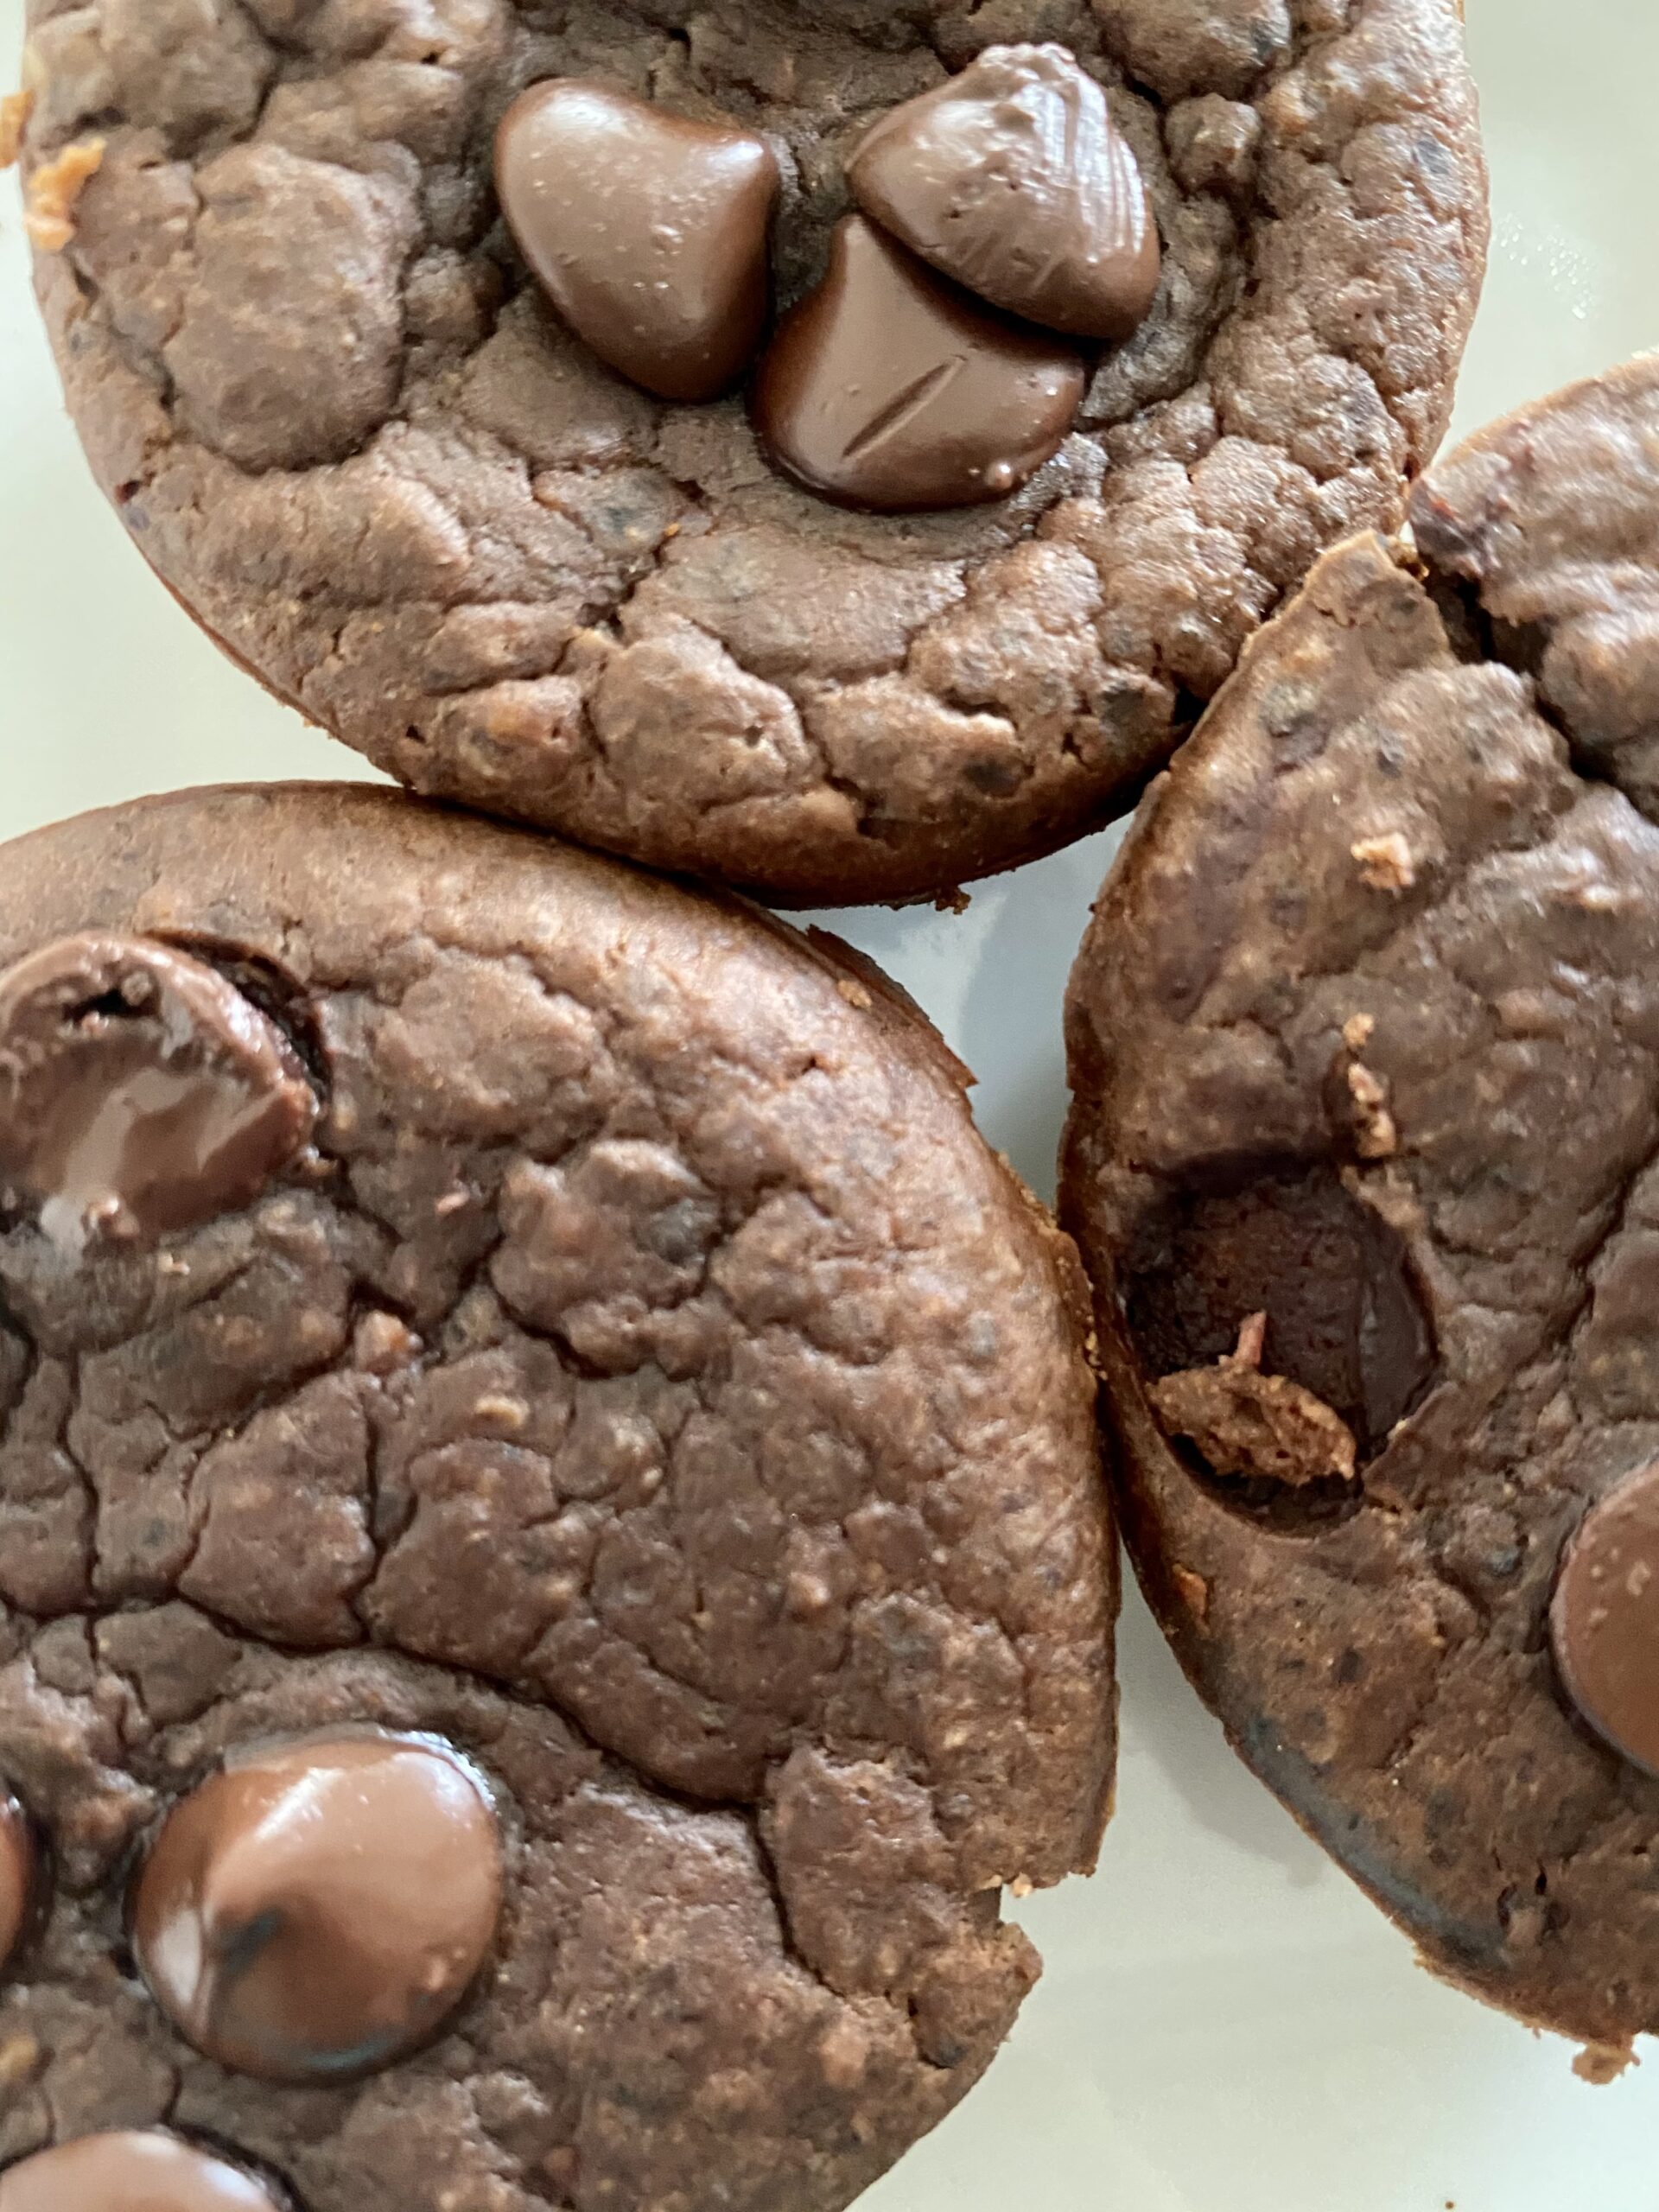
(649, 1384)
(1457, 1253)
(312, 374)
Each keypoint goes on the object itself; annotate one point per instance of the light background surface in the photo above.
(1225, 2024)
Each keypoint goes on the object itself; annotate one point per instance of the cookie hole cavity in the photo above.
(1280, 1331)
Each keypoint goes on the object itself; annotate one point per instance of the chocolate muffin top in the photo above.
(355, 436)
(1365, 1043)
(552, 1557)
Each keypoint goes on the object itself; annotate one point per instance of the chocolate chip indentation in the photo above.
(647, 231)
(1603, 1619)
(319, 1908)
(1344, 1317)
(132, 2170)
(1013, 178)
(891, 389)
(20, 1877)
(141, 1094)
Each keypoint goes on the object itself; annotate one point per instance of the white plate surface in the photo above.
(1225, 2024)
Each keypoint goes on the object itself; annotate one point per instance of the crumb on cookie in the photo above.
(16, 108)
(1375, 1136)
(1194, 1591)
(1386, 863)
(53, 190)
(1598, 2063)
(1244, 1422)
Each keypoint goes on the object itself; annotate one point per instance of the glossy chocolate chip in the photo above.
(318, 1908)
(133, 2170)
(1014, 179)
(1603, 1621)
(141, 1094)
(891, 389)
(20, 1875)
(647, 231)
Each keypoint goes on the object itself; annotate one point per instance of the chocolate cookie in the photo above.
(552, 1556)
(1365, 1042)
(409, 341)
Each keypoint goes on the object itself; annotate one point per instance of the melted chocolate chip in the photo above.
(20, 1874)
(133, 2170)
(888, 389)
(1014, 179)
(1604, 1620)
(1343, 1319)
(647, 231)
(140, 1093)
(319, 1908)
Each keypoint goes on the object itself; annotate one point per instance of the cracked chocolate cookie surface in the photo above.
(628, 1449)
(344, 426)
(1365, 1044)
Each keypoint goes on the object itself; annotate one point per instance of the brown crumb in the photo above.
(14, 111)
(1252, 1342)
(1598, 2063)
(953, 902)
(1358, 1031)
(382, 1343)
(1194, 1591)
(56, 187)
(1375, 1136)
(844, 2050)
(1247, 1423)
(1386, 863)
(502, 1411)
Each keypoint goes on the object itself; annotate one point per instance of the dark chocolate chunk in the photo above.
(1604, 1620)
(1014, 179)
(133, 2170)
(318, 1910)
(19, 1868)
(891, 389)
(141, 1094)
(1343, 1319)
(648, 231)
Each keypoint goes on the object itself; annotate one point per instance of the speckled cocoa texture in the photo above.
(1388, 937)
(312, 375)
(737, 1511)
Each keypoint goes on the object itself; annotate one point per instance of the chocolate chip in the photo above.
(1344, 1317)
(319, 1908)
(1604, 1620)
(891, 389)
(133, 2170)
(1014, 179)
(20, 1873)
(141, 1094)
(648, 231)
